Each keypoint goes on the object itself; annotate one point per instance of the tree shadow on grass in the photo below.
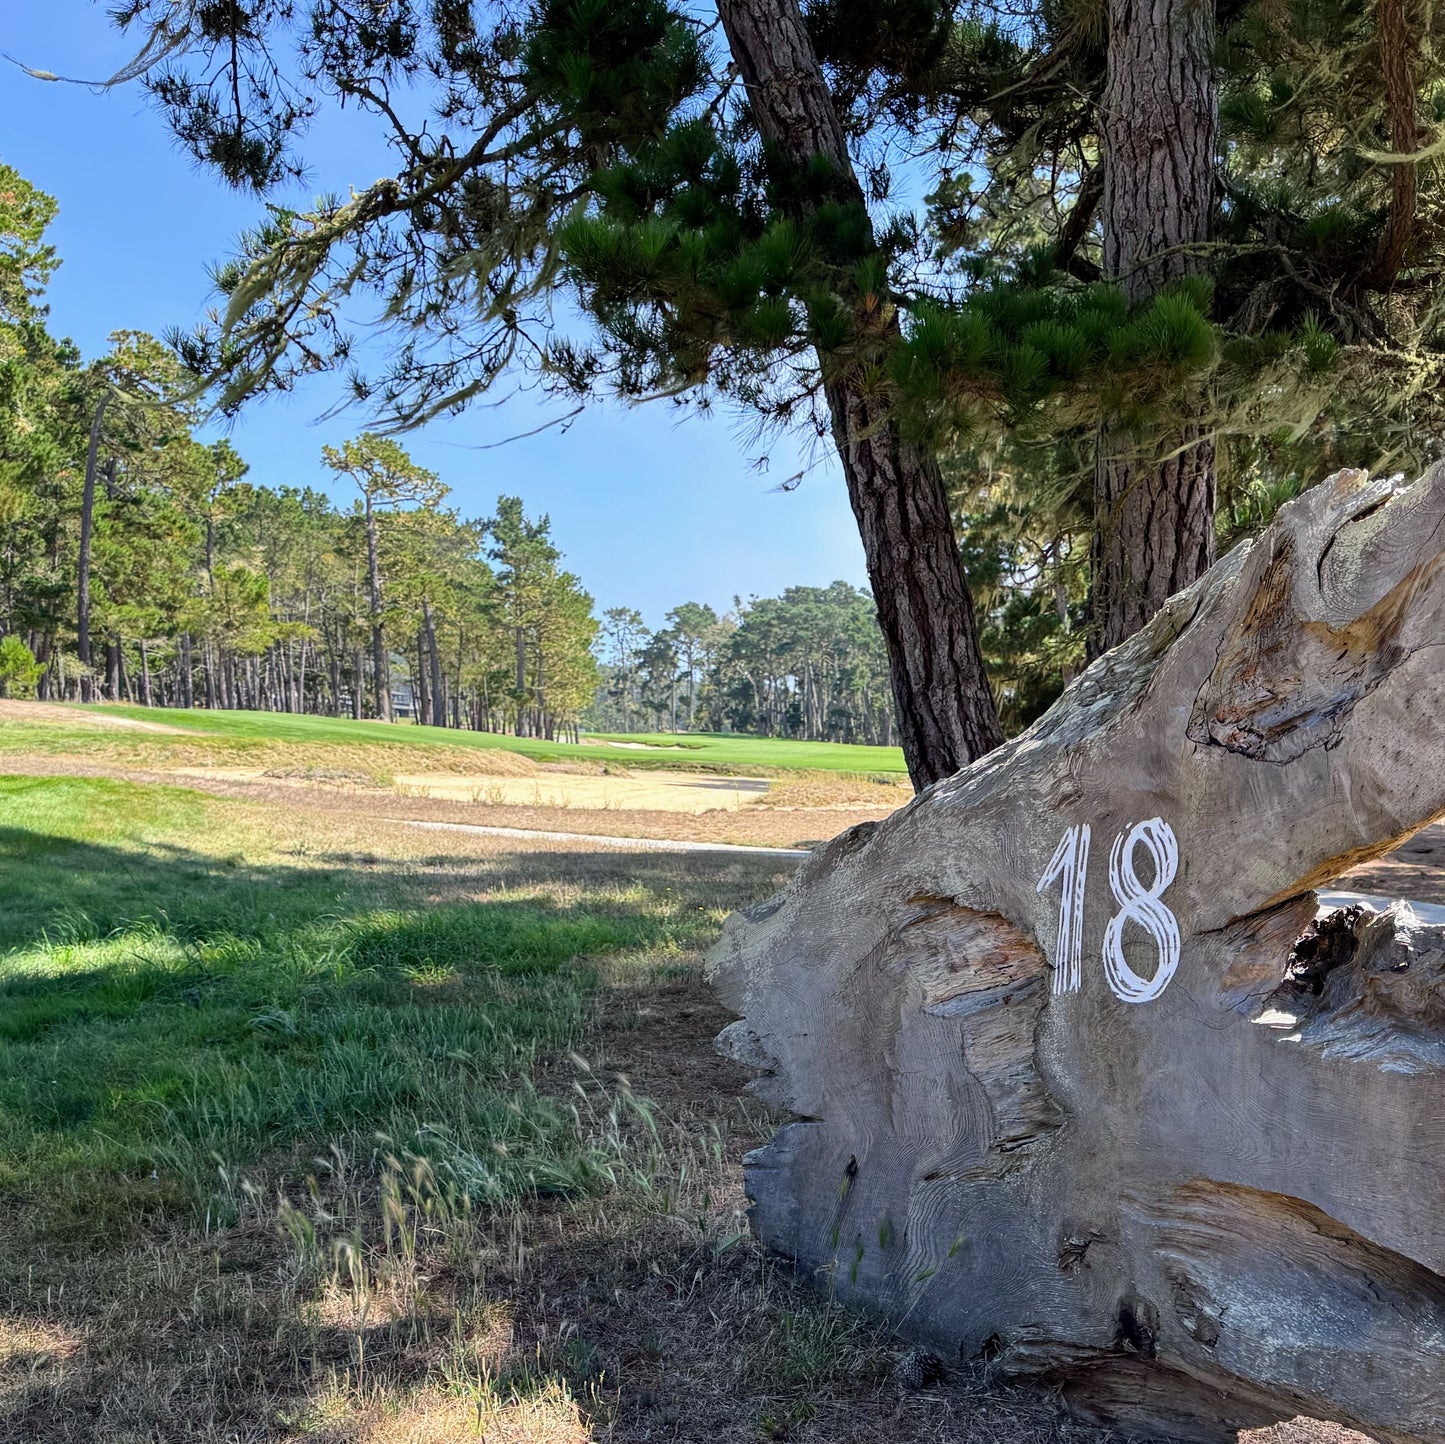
(59, 892)
(168, 1013)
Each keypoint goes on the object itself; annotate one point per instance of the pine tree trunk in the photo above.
(946, 714)
(420, 692)
(188, 697)
(381, 680)
(434, 664)
(521, 681)
(87, 522)
(1153, 519)
(45, 655)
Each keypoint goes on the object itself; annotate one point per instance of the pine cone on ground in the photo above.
(919, 1368)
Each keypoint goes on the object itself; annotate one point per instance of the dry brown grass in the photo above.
(364, 1303)
(337, 762)
(52, 713)
(830, 790)
(567, 788)
(748, 826)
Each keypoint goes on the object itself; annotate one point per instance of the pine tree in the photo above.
(464, 246)
(387, 478)
(723, 218)
(547, 616)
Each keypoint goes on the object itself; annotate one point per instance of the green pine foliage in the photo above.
(208, 587)
(606, 149)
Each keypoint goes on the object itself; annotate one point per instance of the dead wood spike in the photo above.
(1076, 1082)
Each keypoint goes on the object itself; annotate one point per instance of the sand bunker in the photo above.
(634, 746)
(690, 792)
(662, 792)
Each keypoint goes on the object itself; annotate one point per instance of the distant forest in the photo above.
(141, 565)
(809, 664)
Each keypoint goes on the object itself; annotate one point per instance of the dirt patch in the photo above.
(493, 770)
(1303, 1431)
(746, 826)
(57, 714)
(823, 791)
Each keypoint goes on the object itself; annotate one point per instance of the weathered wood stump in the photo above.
(1081, 1084)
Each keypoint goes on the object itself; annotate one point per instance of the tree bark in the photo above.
(1148, 1128)
(438, 686)
(946, 713)
(1158, 121)
(187, 679)
(420, 691)
(113, 670)
(82, 581)
(381, 672)
(1397, 48)
(521, 681)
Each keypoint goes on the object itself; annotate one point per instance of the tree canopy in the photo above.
(196, 583)
(935, 231)
(920, 244)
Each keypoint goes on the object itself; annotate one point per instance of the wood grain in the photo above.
(1206, 1211)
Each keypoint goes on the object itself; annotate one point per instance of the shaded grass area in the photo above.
(187, 988)
(313, 1131)
(695, 751)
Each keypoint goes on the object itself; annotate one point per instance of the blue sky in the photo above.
(651, 510)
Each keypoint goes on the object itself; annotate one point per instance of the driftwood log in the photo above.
(1082, 1085)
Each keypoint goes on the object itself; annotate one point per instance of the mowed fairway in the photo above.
(735, 790)
(704, 752)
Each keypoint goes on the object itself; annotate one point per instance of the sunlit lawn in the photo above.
(703, 751)
(187, 986)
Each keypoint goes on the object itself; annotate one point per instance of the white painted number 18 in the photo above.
(1137, 903)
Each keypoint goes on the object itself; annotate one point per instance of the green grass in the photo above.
(767, 753)
(184, 992)
(697, 750)
(294, 1145)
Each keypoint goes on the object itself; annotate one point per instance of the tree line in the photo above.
(809, 664)
(144, 566)
(139, 564)
(1176, 260)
